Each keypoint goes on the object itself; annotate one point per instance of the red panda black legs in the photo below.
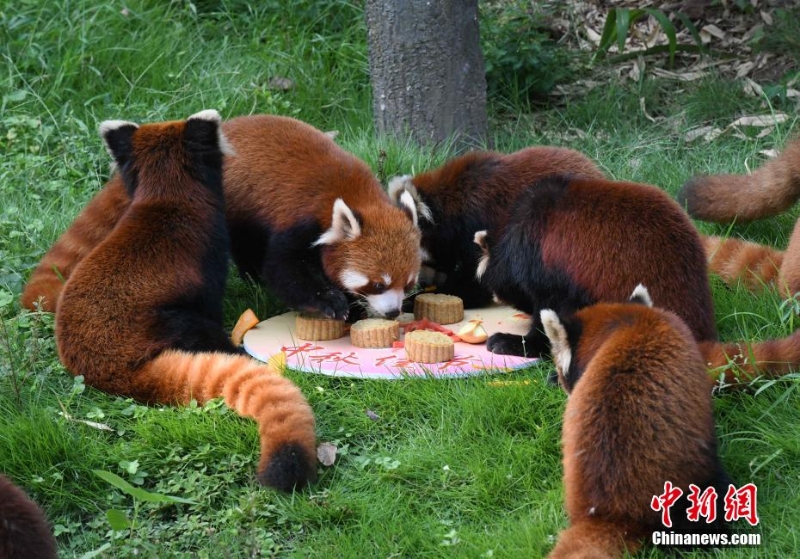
(292, 268)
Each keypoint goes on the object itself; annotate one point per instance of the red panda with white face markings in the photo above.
(24, 530)
(473, 192)
(639, 415)
(305, 217)
(141, 313)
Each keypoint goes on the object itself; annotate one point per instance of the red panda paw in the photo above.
(508, 344)
(331, 303)
(289, 468)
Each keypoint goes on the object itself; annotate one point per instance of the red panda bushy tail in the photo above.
(91, 226)
(592, 539)
(252, 389)
(735, 260)
(737, 363)
(767, 191)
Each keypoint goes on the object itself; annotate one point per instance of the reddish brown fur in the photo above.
(259, 155)
(735, 260)
(85, 233)
(259, 185)
(592, 538)
(258, 173)
(24, 530)
(772, 188)
(604, 202)
(737, 363)
(110, 323)
(769, 190)
(509, 175)
(642, 376)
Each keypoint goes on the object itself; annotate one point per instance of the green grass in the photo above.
(450, 468)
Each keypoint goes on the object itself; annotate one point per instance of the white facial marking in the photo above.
(387, 279)
(389, 301)
(413, 278)
(353, 280)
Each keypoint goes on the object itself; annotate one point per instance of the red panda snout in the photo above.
(384, 295)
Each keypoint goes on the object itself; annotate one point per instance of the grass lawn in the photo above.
(448, 468)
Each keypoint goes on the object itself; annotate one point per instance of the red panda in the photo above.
(141, 314)
(638, 415)
(305, 217)
(769, 190)
(572, 242)
(471, 193)
(24, 530)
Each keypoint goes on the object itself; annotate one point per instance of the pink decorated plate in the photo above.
(341, 359)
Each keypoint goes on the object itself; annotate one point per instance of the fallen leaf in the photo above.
(714, 31)
(701, 132)
(326, 453)
(761, 120)
(743, 69)
(771, 153)
(752, 88)
(372, 415)
(283, 84)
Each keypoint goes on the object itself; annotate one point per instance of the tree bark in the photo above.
(426, 68)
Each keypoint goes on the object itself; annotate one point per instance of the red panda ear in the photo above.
(404, 195)
(559, 343)
(641, 295)
(483, 263)
(480, 240)
(344, 225)
(118, 137)
(203, 129)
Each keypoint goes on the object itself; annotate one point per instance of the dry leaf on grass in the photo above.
(326, 454)
(761, 120)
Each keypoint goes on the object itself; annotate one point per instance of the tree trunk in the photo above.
(426, 68)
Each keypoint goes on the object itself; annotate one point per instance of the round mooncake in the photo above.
(439, 308)
(425, 346)
(374, 332)
(317, 328)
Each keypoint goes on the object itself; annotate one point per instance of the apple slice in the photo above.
(473, 332)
